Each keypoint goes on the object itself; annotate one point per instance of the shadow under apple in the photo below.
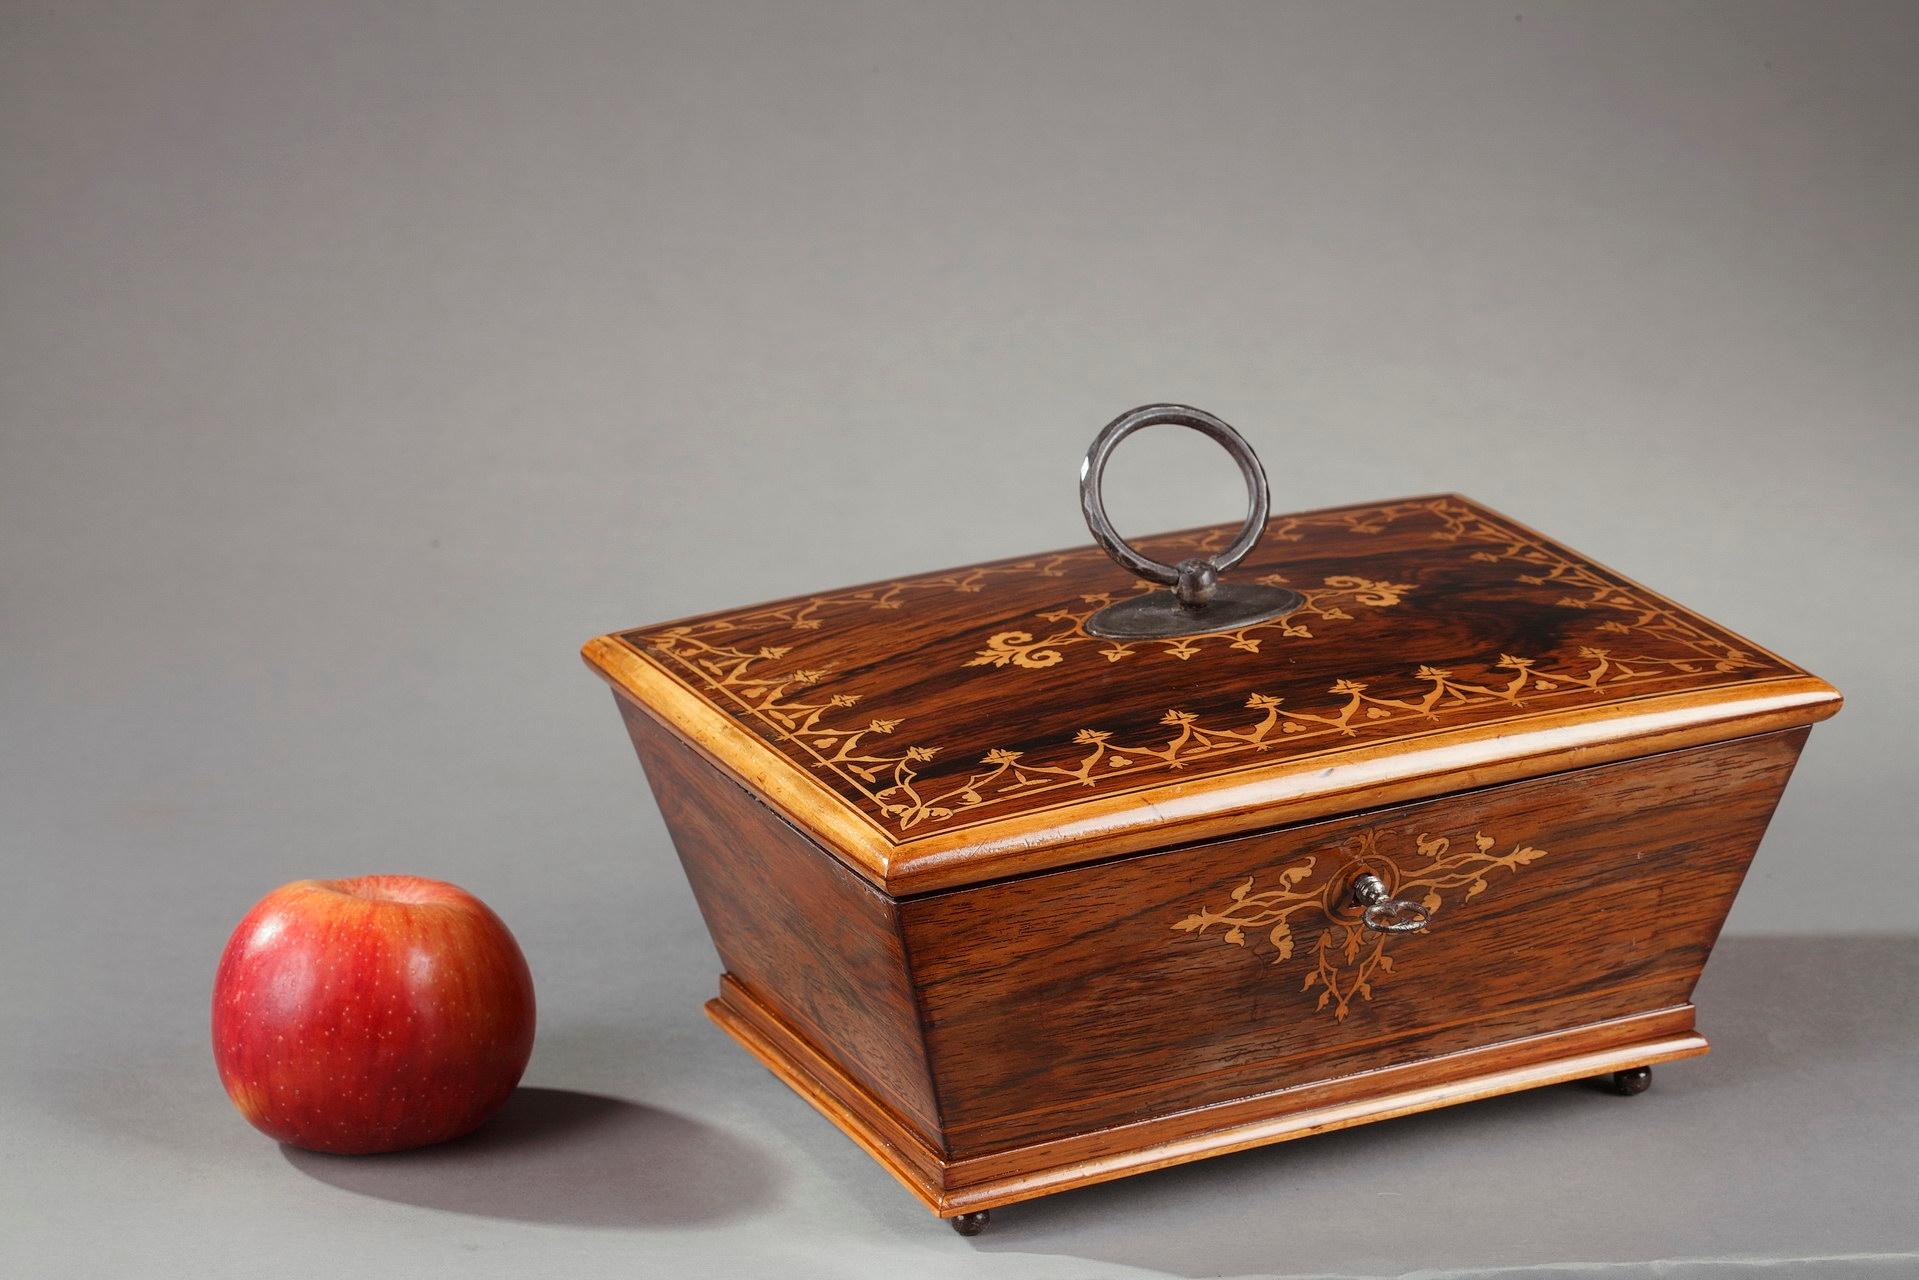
(567, 1158)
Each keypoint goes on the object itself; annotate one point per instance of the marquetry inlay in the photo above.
(1349, 959)
(953, 698)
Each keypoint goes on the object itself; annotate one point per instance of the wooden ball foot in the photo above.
(1632, 1082)
(971, 1224)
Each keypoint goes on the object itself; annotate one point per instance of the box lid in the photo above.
(967, 725)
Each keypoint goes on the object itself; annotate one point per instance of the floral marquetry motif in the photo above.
(1023, 908)
(950, 699)
(1322, 603)
(1348, 958)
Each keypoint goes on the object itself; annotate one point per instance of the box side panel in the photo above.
(1077, 1000)
(804, 935)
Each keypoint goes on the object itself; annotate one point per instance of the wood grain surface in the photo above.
(951, 1187)
(950, 728)
(1005, 1040)
(1021, 909)
(1071, 1001)
(813, 940)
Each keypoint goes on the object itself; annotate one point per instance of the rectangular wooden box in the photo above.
(1020, 908)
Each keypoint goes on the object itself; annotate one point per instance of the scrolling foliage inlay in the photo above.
(1348, 958)
(776, 667)
(1023, 649)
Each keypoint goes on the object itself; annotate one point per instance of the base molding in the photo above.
(954, 1186)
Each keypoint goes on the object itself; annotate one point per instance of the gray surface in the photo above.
(357, 362)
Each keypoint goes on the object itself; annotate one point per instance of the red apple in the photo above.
(370, 1014)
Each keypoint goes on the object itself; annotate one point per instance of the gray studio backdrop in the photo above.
(358, 361)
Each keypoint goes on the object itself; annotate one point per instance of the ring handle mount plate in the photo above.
(1199, 602)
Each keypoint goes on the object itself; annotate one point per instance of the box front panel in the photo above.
(1063, 1003)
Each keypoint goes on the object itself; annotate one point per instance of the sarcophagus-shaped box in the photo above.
(1021, 905)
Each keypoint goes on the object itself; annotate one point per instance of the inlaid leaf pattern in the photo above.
(759, 681)
(1348, 958)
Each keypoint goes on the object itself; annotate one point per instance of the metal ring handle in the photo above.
(1194, 580)
(1385, 913)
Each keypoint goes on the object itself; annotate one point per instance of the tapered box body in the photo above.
(1021, 908)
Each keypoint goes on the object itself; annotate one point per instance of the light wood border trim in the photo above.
(1366, 777)
(1288, 791)
(1205, 808)
(1008, 1177)
(787, 1053)
(744, 755)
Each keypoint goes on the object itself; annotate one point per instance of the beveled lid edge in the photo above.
(1362, 777)
(1288, 791)
(797, 795)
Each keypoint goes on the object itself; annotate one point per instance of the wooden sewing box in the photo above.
(1021, 906)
